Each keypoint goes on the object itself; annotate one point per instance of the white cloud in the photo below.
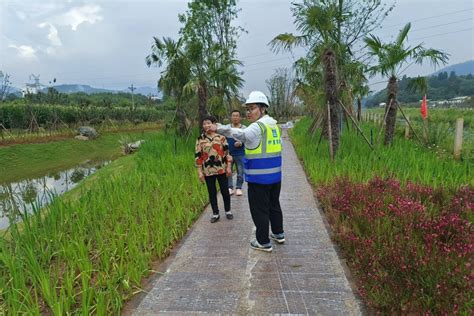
(76, 16)
(50, 50)
(53, 33)
(25, 51)
(21, 15)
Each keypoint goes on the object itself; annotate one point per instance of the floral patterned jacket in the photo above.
(212, 154)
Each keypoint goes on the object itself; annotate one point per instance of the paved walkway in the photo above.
(214, 270)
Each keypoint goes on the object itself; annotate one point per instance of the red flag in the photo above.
(424, 108)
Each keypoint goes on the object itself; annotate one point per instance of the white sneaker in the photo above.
(231, 191)
(238, 192)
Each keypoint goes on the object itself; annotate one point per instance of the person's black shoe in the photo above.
(229, 215)
(279, 238)
(254, 244)
(215, 218)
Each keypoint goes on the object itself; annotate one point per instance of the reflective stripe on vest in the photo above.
(263, 164)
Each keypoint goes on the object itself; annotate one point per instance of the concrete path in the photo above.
(215, 271)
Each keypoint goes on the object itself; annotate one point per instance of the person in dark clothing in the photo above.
(213, 162)
(237, 151)
(262, 168)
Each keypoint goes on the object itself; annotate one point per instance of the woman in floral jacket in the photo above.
(213, 162)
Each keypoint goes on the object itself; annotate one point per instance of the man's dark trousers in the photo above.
(264, 201)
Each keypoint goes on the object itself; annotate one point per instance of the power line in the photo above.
(269, 67)
(463, 30)
(269, 61)
(430, 27)
(152, 76)
(431, 17)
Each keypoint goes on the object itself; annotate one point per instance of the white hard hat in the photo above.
(257, 97)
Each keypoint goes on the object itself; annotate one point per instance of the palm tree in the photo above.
(317, 24)
(199, 79)
(330, 30)
(211, 44)
(226, 80)
(176, 74)
(392, 58)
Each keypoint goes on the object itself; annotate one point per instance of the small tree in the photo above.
(331, 30)
(176, 73)
(392, 60)
(282, 87)
(5, 85)
(211, 44)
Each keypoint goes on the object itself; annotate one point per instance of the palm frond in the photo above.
(418, 84)
(286, 41)
(402, 35)
(436, 57)
(191, 86)
(374, 44)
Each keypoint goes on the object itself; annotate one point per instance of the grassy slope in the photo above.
(34, 160)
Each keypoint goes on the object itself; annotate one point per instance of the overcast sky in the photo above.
(104, 43)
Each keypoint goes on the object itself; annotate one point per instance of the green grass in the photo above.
(27, 161)
(441, 128)
(405, 160)
(88, 251)
(434, 115)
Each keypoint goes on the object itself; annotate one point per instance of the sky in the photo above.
(104, 43)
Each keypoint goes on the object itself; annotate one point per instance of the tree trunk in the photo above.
(324, 124)
(229, 101)
(181, 119)
(359, 108)
(392, 89)
(331, 91)
(202, 100)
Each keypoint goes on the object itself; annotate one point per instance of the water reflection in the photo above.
(20, 197)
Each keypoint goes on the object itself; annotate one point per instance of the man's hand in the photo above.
(201, 177)
(238, 144)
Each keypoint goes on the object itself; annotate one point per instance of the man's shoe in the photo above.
(214, 218)
(254, 244)
(279, 238)
(238, 192)
(231, 191)
(229, 215)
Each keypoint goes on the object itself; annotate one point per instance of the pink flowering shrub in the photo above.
(410, 247)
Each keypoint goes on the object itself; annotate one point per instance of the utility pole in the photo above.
(132, 88)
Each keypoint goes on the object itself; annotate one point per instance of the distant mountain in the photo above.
(73, 88)
(443, 86)
(461, 69)
(15, 90)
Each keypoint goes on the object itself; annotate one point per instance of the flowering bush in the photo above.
(409, 246)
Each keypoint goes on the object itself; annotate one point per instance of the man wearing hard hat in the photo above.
(262, 168)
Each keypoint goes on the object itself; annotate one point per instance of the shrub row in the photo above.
(15, 116)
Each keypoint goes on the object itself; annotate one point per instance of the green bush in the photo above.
(20, 116)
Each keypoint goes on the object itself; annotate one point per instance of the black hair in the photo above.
(209, 117)
(236, 111)
(263, 106)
